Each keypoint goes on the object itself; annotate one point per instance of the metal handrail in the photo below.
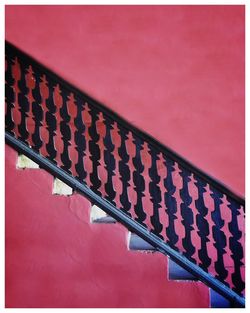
(128, 222)
(10, 48)
(77, 138)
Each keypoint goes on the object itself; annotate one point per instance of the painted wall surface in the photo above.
(56, 258)
(177, 73)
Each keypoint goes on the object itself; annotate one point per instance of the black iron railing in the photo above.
(173, 205)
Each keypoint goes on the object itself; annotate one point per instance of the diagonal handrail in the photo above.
(143, 184)
(10, 48)
(128, 222)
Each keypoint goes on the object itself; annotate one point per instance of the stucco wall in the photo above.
(56, 258)
(177, 73)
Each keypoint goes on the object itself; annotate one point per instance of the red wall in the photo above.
(56, 258)
(176, 72)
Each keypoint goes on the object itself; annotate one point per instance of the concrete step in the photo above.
(24, 162)
(176, 272)
(97, 215)
(218, 301)
(60, 188)
(137, 243)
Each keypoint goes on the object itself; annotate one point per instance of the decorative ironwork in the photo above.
(73, 131)
(124, 171)
(9, 95)
(202, 225)
(109, 162)
(171, 205)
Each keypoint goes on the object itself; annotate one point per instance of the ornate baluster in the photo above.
(138, 180)
(44, 130)
(242, 227)
(102, 170)
(170, 202)
(235, 246)
(30, 83)
(58, 139)
(23, 104)
(195, 238)
(124, 171)
(72, 109)
(155, 192)
(218, 235)
(202, 224)
(94, 151)
(109, 161)
(162, 172)
(180, 228)
(187, 215)
(146, 201)
(37, 113)
(116, 139)
(132, 194)
(87, 121)
(80, 141)
(9, 95)
(51, 122)
(227, 258)
(65, 131)
(16, 73)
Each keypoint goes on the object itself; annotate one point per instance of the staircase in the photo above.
(166, 203)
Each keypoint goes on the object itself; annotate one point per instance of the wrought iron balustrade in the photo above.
(197, 218)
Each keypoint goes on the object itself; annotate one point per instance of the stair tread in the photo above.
(60, 188)
(25, 162)
(176, 272)
(218, 301)
(97, 215)
(137, 243)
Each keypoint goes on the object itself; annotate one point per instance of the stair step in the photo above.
(97, 215)
(218, 301)
(176, 272)
(60, 188)
(137, 243)
(24, 162)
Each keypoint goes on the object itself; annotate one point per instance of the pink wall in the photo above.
(56, 258)
(185, 62)
(175, 71)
